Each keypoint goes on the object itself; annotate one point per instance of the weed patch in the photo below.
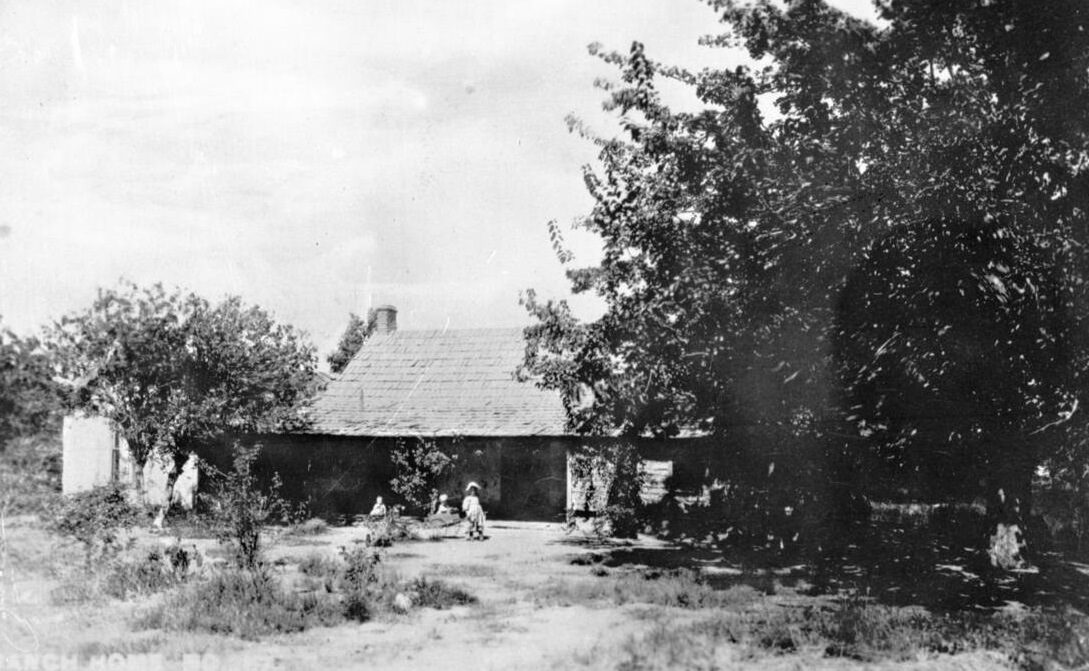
(857, 630)
(312, 527)
(430, 593)
(124, 577)
(319, 565)
(677, 588)
(248, 604)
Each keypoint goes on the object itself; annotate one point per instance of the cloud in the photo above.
(307, 156)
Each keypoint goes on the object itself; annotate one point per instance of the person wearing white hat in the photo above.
(474, 514)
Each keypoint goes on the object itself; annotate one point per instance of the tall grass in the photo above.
(255, 603)
(123, 576)
(677, 588)
(248, 604)
(861, 631)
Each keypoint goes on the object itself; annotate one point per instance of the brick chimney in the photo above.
(385, 319)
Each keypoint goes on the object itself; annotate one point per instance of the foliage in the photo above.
(360, 568)
(676, 588)
(243, 507)
(430, 593)
(1061, 500)
(30, 474)
(171, 369)
(311, 527)
(419, 465)
(96, 518)
(356, 333)
(617, 466)
(30, 401)
(156, 571)
(856, 629)
(318, 564)
(247, 604)
(889, 267)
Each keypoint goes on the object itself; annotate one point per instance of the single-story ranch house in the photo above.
(458, 389)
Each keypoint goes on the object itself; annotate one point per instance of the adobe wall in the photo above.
(337, 476)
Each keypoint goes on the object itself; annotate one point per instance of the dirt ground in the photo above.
(515, 624)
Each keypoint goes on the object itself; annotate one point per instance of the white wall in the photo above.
(88, 461)
(88, 447)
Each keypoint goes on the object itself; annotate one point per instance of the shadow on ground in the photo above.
(896, 565)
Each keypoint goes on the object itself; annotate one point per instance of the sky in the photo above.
(316, 158)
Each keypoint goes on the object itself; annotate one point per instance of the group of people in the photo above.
(470, 506)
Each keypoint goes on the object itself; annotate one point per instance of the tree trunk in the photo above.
(1009, 502)
(172, 478)
(138, 483)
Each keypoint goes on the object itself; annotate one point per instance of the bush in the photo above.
(319, 565)
(95, 518)
(418, 468)
(1061, 505)
(243, 508)
(360, 568)
(617, 467)
(30, 474)
(365, 587)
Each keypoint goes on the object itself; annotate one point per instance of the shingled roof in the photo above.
(437, 383)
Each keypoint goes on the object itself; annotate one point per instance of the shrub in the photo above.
(388, 529)
(360, 568)
(95, 518)
(30, 474)
(365, 587)
(243, 508)
(418, 467)
(618, 468)
(319, 565)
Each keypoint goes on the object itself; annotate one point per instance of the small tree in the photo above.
(173, 370)
(243, 507)
(353, 338)
(419, 466)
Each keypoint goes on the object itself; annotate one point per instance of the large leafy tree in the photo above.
(889, 269)
(171, 369)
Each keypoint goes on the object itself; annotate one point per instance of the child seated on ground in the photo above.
(474, 514)
(379, 509)
(443, 507)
